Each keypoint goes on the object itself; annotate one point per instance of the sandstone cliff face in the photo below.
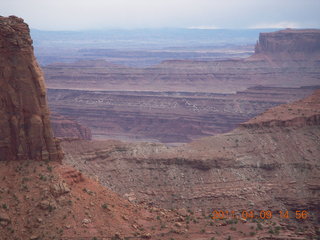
(289, 41)
(25, 131)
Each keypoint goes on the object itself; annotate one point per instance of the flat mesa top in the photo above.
(298, 31)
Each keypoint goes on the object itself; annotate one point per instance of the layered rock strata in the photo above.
(289, 41)
(288, 58)
(25, 131)
(168, 117)
(66, 128)
(254, 167)
(181, 100)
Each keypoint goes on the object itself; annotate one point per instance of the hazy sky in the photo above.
(99, 14)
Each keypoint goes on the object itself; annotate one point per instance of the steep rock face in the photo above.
(66, 128)
(289, 41)
(25, 131)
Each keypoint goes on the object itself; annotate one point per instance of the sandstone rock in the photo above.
(4, 219)
(178, 225)
(25, 131)
(86, 221)
(289, 41)
(183, 212)
(47, 205)
(180, 219)
(59, 189)
(130, 196)
(34, 237)
(74, 176)
(146, 236)
(117, 236)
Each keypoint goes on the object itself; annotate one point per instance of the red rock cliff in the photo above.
(25, 131)
(289, 41)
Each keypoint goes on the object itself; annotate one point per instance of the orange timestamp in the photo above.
(261, 214)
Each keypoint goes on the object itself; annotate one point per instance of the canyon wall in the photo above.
(66, 128)
(289, 41)
(260, 167)
(168, 117)
(305, 112)
(25, 131)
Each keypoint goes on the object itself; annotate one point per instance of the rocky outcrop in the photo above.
(305, 112)
(289, 41)
(67, 128)
(25, 131)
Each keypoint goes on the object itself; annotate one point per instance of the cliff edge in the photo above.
(305, 112)
(291, 42)
(25, 131)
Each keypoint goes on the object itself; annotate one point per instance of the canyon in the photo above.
(178, 101)
(110, 189)
(168, 117)
(268, 163)
(43, 199)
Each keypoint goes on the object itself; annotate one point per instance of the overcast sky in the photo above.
(101, 14)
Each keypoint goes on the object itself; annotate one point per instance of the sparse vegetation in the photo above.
(271, 230)
(162, 226)
(42, 177)
(259, 226)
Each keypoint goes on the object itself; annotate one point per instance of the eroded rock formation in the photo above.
(289, 41)
(25, 131)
